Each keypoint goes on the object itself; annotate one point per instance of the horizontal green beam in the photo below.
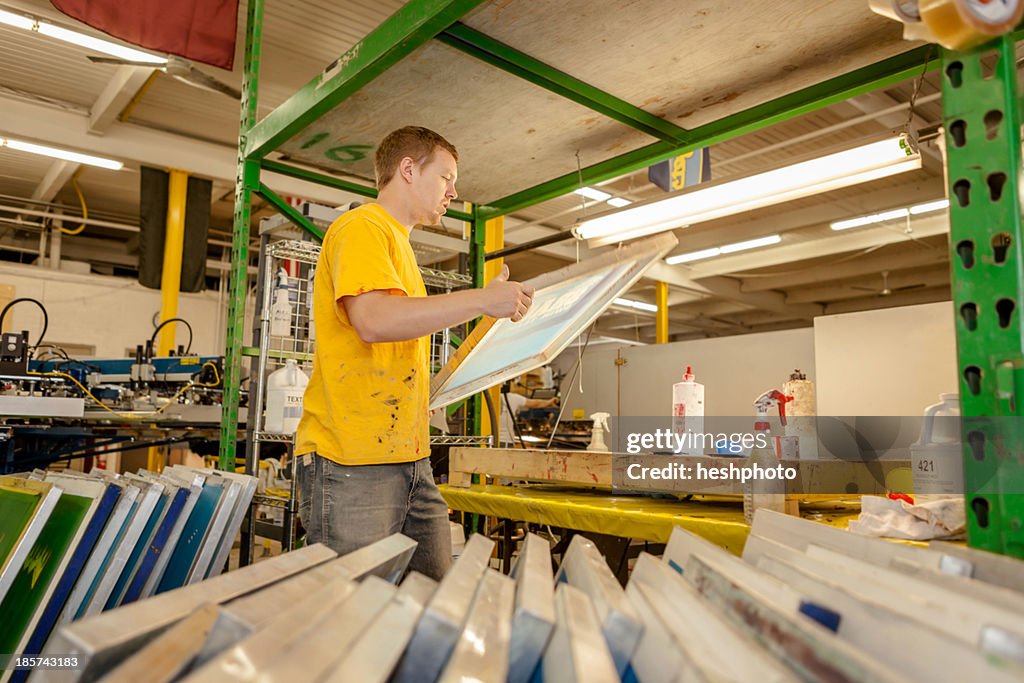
(318, 178)
(339, 183)
(495, 53)
(402, 33)
(289, 212)
(254, 352)
(866, 79)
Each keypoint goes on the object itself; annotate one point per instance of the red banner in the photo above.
(199, 30)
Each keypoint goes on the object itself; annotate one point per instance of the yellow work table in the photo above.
(718, 519)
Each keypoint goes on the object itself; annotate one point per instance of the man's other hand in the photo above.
(505, 299)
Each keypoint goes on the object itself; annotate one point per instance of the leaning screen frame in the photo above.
(447, 386)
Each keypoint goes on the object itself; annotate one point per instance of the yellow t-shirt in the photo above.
(366, 404)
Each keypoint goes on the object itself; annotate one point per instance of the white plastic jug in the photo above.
(937, 457)
(285, 389)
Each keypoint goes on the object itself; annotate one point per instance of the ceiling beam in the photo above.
(932, 277)
(124, 85)
(141, 145)
(781, 219)
(729, 288)
(56, 176)
(912, 298)
(910, 255)
(797, 249)
(871, 102)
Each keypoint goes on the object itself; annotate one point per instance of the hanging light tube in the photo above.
(871, 161)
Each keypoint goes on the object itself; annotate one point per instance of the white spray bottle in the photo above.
(281, 310)
(599, 430)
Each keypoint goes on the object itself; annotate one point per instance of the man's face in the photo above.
(434, 186)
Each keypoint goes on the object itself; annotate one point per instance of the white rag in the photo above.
(880, 516)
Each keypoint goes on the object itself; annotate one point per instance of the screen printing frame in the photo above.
(448, 386)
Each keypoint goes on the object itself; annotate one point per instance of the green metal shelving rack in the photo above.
(991, 355)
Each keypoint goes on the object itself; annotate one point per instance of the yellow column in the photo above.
(174, 240)
(494, 239)
(661, 322)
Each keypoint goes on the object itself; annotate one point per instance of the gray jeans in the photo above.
(347, 507)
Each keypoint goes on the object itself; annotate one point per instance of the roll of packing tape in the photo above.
(962, 24)
(899, 10)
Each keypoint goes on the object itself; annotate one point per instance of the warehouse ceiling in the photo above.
(51, 93)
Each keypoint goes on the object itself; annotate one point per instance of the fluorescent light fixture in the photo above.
(861, 221)
(928, 207)
(61, 154)
(593, 193)
(30, 23)
(751, 244)
(619, 202)
(724, 249)
(17, 20)
(693, 256)
(704, 203)
(895, 214)
(638, 305)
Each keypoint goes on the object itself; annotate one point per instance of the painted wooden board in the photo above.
(311, 657)
(1000, 570)
(194, 485)
(482, 652)
(799, 533)
(605, 470)
(709, 644)
(247, 487)
(577, 651)
(250, 657)
(994, 629)
(807, 647)
(915, 649)
(387, 559)
(197, 527)
(84, 547)
(439, 628)
(534, 616)
(971, 587)
(117, 560)
(658, 657)
(107, 638)
(37, 577)
(218, 531)
(23, 538)
(567, 300)
(177, 499)
(374, 655)
(584, 567)
(145, 539)
(168, 655)
(18, 504)
(89, 578)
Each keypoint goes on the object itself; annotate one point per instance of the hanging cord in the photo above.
(81, 200)
(171, 320)
(136, 416)
(46, 318)
(917, 87)
(575, 369)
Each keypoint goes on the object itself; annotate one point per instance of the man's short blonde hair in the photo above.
(412, 141)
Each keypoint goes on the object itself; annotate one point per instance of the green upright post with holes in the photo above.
(982, 117)
(247, 182)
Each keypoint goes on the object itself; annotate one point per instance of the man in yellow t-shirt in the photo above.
(363, 445)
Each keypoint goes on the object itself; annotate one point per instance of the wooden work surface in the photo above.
(687, 63)
(816, 478)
